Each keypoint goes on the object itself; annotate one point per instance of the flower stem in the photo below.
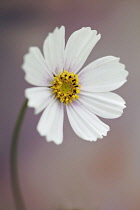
(13, 160)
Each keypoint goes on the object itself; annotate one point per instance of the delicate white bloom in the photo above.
(85, 93)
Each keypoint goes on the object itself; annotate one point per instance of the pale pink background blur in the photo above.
(104, 175)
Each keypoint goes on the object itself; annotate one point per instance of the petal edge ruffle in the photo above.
(35, 68)
(107, 105)
(78, 48)
(39, 98)
(103, 75)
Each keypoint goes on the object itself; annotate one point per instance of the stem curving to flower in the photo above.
(13, 160)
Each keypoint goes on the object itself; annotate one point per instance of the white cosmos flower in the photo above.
(62, 83)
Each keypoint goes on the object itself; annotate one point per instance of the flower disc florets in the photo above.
(65, 86)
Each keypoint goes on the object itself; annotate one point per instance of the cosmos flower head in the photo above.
(61, 82)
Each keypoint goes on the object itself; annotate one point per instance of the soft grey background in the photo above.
(78, 174)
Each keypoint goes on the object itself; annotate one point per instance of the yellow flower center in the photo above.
(65, 86)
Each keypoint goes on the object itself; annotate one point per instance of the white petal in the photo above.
(51, 122)
(103, 75)
(53, 49)
(39, 98)
(35, 67)
(108, 105)
(78, 48)
(84, 123)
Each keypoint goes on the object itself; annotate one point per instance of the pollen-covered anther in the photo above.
(66, 86)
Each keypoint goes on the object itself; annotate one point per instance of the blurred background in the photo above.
(102, 175)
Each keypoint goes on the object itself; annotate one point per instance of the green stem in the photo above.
(13, 160)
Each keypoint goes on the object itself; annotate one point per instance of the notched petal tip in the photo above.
(56, 141)
(48, 138)
(62, 27)
(30, 104)
(85, 28)
(33, 48)
(99, 36)
(108, 129)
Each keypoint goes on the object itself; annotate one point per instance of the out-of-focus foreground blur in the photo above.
(104, 175)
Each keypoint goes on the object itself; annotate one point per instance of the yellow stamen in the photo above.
(65, 86)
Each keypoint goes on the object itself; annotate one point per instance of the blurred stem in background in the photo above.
(13, 160)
